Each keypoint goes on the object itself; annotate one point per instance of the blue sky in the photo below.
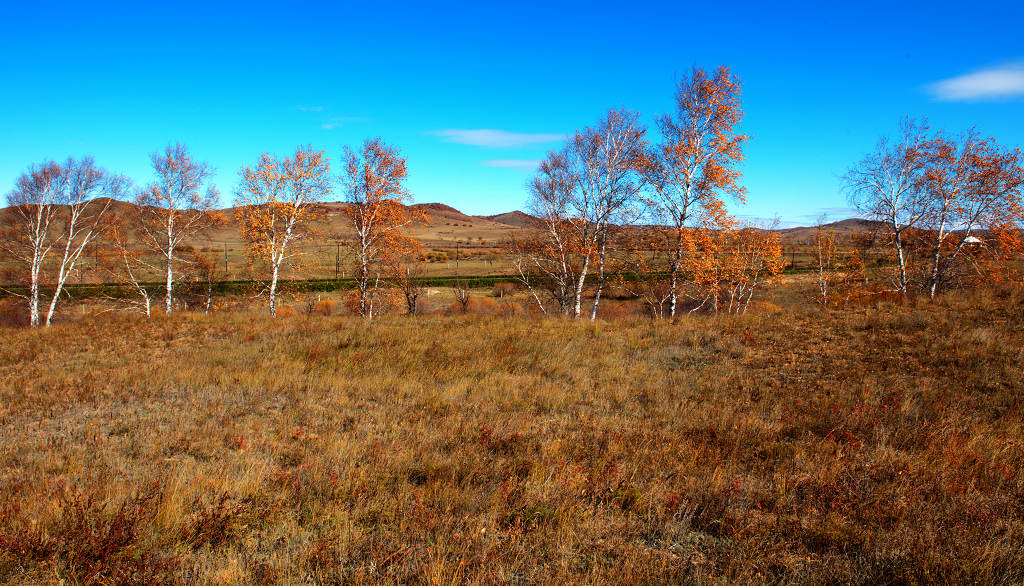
(473, 93)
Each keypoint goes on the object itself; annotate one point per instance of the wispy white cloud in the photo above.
(336, 121)
(521, 164)
(328, 121)
(994, 83)
(487, 137)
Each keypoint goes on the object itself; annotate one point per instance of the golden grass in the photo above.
(881, 444)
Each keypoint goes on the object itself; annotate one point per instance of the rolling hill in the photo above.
(842, 228)
(445, 227)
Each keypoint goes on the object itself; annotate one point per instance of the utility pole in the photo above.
(225, 260)
(337, 259)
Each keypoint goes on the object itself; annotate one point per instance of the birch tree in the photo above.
(747, 257)
(373, 181)
(278, 200)
(174, 208)
(128, 264)
(888, 186)
(974, 189)
(204, 271)
(826, 255)
(28, 237)
(547, 257)
(605, 164)
(58, 210)
(695, 166)
(407, 273)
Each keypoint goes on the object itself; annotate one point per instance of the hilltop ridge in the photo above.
(445, 225)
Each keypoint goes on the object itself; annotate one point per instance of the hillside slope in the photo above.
(446, 227)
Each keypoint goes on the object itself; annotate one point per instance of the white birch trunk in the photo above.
(33, 296)
(600, 277)
(170, 263)
(273, 291)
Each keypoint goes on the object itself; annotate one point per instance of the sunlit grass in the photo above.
(873, 444)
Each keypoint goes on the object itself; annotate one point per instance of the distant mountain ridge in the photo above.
(446, 225)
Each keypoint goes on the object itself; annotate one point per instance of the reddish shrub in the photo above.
(483, 306)
(511, 308)
(220, 523)
(325, 307)
(384, 301)
(503, 289)
(617, 309)
(13, 314)
(96, 546)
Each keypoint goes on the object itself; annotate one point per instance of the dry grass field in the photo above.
(876, 444)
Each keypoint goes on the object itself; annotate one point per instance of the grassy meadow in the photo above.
(882, 443)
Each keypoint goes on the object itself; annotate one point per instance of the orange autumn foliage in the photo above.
(696, 166)
(374, 184)
(278, 200)
(975, 209)
(727, 266)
